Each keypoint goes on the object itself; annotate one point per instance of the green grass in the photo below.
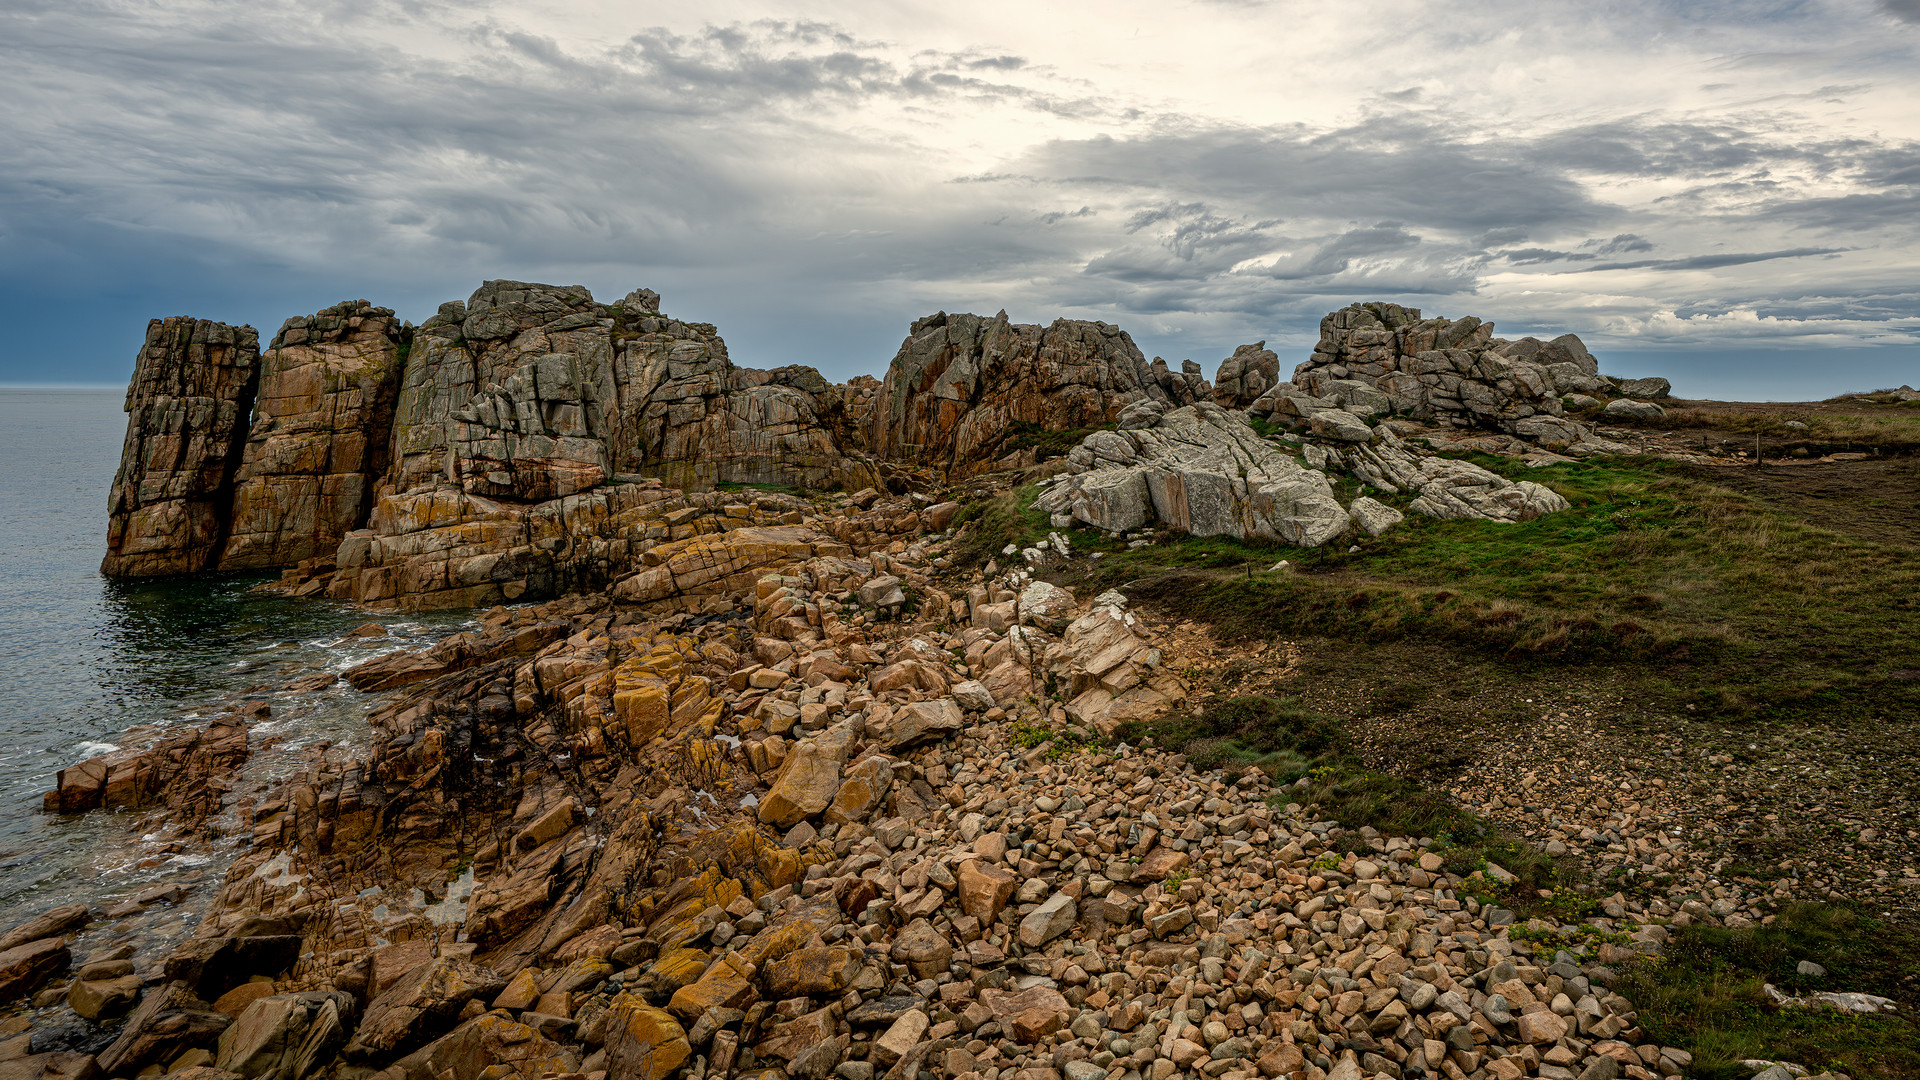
(1704, 597)
(985, 528)
(1288, 742)
(1705, 994)
(1046, 443)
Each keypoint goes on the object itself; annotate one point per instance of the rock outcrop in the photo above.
(496, 452)
(1199, 469)
(964, 388)
(529, 441)
(1203, 470)
(1250, 372)
(188, 408)
(1377, 358)
(318, 444)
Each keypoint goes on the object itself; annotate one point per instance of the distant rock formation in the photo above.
(436, 463)
(963, 388)
(1377, 358)
(531, 441)
(1251, 371)
(187, 412)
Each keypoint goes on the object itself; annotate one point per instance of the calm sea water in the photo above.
(88, 665)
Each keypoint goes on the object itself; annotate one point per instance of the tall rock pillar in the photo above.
(187, 412)
(320, 435)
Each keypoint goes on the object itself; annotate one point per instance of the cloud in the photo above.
(810, 185)
(1904, 10)
(1709, 262)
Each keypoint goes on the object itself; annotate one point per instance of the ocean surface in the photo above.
(88, 665)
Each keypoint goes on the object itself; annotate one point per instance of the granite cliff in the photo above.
(498, 450)
(781, 784)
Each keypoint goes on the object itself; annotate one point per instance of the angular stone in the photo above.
(287, 1036)
(421, 1006)
(902, 1036)
(643, 1043)
(985, 889)
(59, 1065)
(922, 721)
(104, 999)
(492, 1047)
(924, 950)
(862, 790)
(810, 972)
(809, 779)
(50, 924)
(24, 967)
(1048, 921)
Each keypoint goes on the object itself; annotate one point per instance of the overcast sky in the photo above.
(1726, 193)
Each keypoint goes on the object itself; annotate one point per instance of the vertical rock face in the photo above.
(319, 440)
(533, 392)
(964, 387)
(187, 414)
(689, 416)
(1252, 370)
(509, 394)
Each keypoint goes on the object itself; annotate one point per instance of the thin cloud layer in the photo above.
(1652, 175)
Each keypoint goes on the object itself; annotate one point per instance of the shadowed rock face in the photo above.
(963, 387)
(1251, 371)
(187, 413)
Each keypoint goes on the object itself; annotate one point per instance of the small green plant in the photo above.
(1026, 736)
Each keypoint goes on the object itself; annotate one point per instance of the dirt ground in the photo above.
(1873, 499)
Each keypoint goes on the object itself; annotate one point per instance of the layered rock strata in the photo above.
(188, 408)
(964, 388)
(1199, 469)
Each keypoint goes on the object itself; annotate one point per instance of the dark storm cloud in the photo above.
(770, 166)
(1399, 167)
(1904, 10)
(1709, 262)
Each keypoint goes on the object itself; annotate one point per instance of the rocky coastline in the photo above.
(757, 777)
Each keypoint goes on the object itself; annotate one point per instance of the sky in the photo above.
(1724, 193)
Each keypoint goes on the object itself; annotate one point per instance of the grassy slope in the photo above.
(1686, 597)
(1699, 595)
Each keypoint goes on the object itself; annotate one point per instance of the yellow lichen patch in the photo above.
(779, 941)
(644, 1043)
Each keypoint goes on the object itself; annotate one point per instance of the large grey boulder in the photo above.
(1199, 469)
(1446, 488)
(1374, 517)
(1654, 387)
(1635, 410)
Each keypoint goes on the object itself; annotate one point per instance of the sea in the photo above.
(89, 665)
